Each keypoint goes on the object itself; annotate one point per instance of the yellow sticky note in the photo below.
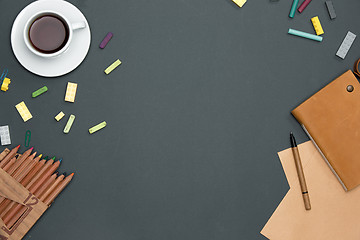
(113, 66)
(70, 92)
(240, 3)
(23, 111)
(59, 116)
(317, 26)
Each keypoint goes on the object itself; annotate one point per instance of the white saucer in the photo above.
(62, 64)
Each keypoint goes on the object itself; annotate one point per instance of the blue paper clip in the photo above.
(3, 76)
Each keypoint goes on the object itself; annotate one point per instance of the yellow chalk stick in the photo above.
(97, 127)
(113, 66)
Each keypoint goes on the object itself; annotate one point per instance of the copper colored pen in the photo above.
(10, 155)
(300, 172)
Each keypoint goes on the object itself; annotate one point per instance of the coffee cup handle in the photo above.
(78, 25)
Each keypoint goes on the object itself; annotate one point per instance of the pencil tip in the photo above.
(18, 146)
(40, 155)
(72, 174)
(60, 160)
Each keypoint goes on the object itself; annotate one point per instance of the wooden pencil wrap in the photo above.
(13, 190)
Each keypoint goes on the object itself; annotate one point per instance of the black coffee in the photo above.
(48, 34)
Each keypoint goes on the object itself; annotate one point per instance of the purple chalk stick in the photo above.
(106, 40)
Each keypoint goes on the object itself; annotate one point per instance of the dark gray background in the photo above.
(196, 114)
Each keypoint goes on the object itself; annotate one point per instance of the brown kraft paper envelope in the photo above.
(335, 214)
(11, 189)
(331, 118)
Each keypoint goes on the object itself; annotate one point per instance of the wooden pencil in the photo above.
(14, 213)
(9, 164)
(24, 166)
(51, 187)
(51, 197)
(45, 185)
(23, 156)
(39, 173)
(20, 162)
(10, 155)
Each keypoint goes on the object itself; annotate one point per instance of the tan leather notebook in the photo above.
(331, 118)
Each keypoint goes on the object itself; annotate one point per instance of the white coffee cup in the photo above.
(70, 27)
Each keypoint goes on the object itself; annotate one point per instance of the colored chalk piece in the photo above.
(106, 40)
(293, 8)
(59, 116)
(345, 45)
(305, 35)
(39, 92)
(69, 123)
(303, 5)
(331, 9)
(97, 127)
(5, 84)
(23, 111)
(240, 3)
(113, 66)
(70, 92)
(5, 135)
(317, 26)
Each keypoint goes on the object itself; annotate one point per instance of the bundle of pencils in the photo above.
(37, 175)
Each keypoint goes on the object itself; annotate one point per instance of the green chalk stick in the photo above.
(39, 91)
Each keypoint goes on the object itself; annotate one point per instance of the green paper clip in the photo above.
(97, 127)
(27, 138)
(69, 123)
(39, 91)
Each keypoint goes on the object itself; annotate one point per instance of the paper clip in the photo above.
(27, 138)
(4, 74)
